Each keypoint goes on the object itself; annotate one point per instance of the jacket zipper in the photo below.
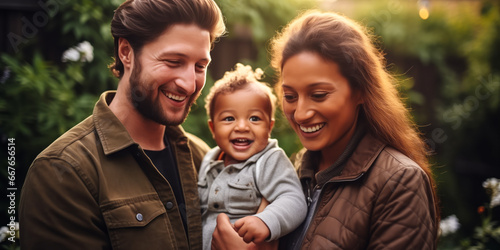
(308, 195)
(312, 203)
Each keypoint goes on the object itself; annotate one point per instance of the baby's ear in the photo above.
(211, 126)
(271, 126)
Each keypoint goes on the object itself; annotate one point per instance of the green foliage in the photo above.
(43, 97)
(37, 104)
(461, 45)
(38, 100)
(487, 234)
(40, 96)
(262, 17)
(89, 20)
(458, 47)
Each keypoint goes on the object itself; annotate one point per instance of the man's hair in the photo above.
(241, 77)
(142, 21)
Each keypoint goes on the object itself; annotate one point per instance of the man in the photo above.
(125, 178)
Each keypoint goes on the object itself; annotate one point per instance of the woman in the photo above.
(364, 168)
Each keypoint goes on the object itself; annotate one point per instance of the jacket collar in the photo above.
(360, 161)
(362, 158)
(113, 135)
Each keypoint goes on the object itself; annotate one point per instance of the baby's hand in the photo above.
(252, 229)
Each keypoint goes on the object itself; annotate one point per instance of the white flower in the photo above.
(449, 225)
(71, 55)
(86, 50)
(492, 185)
(83, 52)
(4, 231)
(495, 201)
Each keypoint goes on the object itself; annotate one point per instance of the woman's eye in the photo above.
(255, 119)
(320, 95)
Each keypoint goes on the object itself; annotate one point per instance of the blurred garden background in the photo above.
(446, 54)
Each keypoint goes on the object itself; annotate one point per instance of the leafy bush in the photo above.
(486, 234)
(40, 96)
(453, 90)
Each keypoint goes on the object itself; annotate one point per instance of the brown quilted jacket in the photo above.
(380, 200)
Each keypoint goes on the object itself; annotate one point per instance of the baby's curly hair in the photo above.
(239, 78)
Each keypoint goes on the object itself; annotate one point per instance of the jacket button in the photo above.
(169, 205)
(139, 217)
(216, 205)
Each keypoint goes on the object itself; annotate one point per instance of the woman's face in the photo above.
(319, 103)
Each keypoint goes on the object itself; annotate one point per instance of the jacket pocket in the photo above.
(138, 223)
(242, 198)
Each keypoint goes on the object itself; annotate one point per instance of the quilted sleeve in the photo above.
(404, 212)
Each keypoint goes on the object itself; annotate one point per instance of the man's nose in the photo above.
(187, 79)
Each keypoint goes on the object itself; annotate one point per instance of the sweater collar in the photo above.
(213, 154)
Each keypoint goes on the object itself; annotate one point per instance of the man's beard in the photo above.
(142, 96)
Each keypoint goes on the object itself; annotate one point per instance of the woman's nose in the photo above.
(303, 112)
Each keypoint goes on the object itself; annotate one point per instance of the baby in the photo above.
(247, 168)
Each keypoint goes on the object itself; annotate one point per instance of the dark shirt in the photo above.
(165, 162)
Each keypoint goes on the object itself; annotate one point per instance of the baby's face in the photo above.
(241, 123)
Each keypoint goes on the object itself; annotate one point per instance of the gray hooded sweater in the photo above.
(237, 190)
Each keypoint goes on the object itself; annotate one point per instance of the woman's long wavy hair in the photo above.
(341, 40)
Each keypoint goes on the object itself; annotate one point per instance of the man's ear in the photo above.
(125, 52)
(211, 126)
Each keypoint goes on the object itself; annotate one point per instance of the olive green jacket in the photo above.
(95, 188)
